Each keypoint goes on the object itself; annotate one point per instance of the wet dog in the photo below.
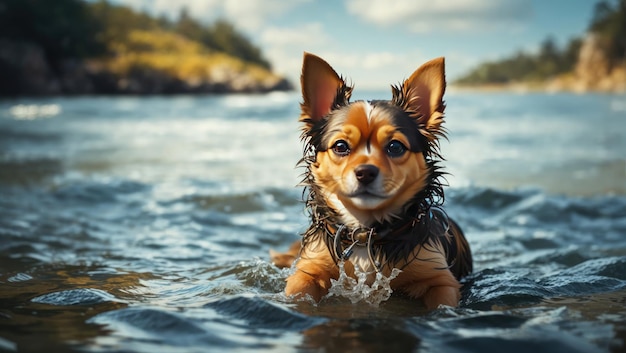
(374, 189)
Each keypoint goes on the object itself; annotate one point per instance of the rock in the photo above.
(594, 71)
(25, 70)
(593, 64)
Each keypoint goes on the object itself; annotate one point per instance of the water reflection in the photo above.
(360, 335)
(54, 302)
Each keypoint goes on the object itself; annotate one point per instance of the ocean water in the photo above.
(143, 224)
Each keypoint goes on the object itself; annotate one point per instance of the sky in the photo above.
(375, 43)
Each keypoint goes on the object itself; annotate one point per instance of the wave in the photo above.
(154, 328)
(259, 313)
(81, 296)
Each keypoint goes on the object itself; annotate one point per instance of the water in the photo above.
(143, 224)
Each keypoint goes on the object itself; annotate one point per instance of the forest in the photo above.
(608, 27)
(105, 48)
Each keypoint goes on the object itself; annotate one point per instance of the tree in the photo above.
(220, 36)
(609, 23)
(188, 27)
(63, 28)
(118, 21)
(229, 40)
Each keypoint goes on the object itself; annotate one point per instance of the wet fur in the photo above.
(403, 200)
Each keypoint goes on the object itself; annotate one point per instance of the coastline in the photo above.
(611, 84)
(26, 71)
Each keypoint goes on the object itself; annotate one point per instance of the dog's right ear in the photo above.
(322, 89)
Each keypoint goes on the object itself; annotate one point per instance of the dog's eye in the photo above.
(395, 149)
(341, 148)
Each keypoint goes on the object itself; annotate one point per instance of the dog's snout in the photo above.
(366, 173)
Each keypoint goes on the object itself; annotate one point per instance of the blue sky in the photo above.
(378, 42)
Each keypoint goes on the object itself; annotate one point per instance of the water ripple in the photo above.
(259, 313)
(81, 296)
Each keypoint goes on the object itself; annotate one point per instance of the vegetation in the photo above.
(120, 43)
(220, 36)
(176, 56)
(549, 62)
(609, 22)
(63, 28)
(119, 22)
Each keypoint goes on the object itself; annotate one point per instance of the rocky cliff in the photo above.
(594, 71)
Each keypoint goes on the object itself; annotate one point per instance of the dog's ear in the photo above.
(421, 96)
(322, 89)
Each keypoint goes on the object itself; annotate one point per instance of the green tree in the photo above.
(63, 28)
(609, 22)
(189, 27)
(550, 61)
(220, 36)
(118, 21)
(229, 40)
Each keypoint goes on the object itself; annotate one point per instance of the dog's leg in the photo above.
(314, 270)
(433, 292)
(445, 295)
(427, 277)
(303, 283)
(285, 259)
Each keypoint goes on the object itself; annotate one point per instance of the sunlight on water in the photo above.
(143, 224)
(358, 290)
(34, 111)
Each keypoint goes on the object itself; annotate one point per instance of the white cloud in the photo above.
(253, 14)
(367, 67)
(437, 15)
(249, 15)
(310, 34)
(371, 69)
(375, 61)
(284, 46)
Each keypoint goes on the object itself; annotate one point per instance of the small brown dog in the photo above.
(374, 191)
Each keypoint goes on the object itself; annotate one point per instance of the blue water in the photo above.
(143, 224)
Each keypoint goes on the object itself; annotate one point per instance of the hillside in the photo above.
(594, 62)
(77, 47)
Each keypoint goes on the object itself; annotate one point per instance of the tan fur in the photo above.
(420, 279)
(314, 270)
(368, 130)
(426, 277)
(285, 259)
(402, 178)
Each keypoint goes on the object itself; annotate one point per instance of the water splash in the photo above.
(358, 290)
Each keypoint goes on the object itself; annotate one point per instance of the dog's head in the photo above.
(369, 159)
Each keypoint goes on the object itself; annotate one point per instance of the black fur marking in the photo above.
(405, 125)
(433, 135)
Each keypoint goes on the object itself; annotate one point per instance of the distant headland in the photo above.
(595, 62)
(66, 47)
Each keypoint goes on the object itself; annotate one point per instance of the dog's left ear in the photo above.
(421, 96)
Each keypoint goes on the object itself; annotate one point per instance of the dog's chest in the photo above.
(361, 259)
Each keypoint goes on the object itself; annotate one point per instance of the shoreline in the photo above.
(27, 72)
(528, 88)
(613, 82)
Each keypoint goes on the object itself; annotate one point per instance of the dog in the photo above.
(374, 190)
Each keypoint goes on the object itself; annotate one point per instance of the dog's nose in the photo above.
(366, 173)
